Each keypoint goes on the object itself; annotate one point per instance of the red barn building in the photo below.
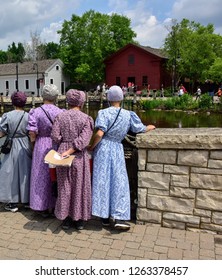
(138, 65)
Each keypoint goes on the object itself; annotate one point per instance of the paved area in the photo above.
(26, 235)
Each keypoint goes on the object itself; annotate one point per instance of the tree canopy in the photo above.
(87, 40)
(192, 50)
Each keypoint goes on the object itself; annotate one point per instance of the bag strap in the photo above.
(47, 114)
(114, 120)
(18, 125)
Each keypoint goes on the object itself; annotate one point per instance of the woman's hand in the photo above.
(68, 152)
(150, 127)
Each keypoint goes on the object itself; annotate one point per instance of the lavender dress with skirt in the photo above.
(41, 197)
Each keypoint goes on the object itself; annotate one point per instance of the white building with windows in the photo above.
(30, 76)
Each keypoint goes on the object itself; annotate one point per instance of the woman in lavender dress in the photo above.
(72, 131)
(40, 126)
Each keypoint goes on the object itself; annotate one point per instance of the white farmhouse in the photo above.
(30, 76)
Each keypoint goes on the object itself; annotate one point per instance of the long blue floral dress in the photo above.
(15, 168)
(110, 184)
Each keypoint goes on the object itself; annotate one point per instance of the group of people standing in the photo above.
(25, 177)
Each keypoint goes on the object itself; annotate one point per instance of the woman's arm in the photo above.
(96, 139)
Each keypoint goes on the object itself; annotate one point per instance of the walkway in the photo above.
(26, 235)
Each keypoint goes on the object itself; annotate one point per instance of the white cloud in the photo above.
(49, 34)
(20, 17)
(202, 11)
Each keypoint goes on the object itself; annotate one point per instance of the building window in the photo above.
(57, 67)
(145, 81)
(118, 81)
(131, 59)
(6, 84)
(62, 87)
(26, 84)
(51, 81)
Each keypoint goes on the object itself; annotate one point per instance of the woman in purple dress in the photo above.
(72, 131)
(40, 126)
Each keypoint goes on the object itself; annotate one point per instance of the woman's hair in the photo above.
(18, 99)
(50, 92)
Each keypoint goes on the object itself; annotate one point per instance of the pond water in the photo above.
(174, 119)
(170, 119)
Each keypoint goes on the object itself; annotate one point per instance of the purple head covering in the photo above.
(18, 99)
(115, 93)
(75, 97)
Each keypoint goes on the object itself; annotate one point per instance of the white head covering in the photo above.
(50, 92)
(115, 93)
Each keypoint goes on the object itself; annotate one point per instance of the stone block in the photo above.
(170, 204)
(179, 181)
(206, 171)
(217, 218)
(153, 180)
(147, 215)
(215, 228)
(202, 212)
(206, 181)
(162, 156)
(193, 158)
(158, 192)
(215, 163)
(175, 169)
(182, 192)
(216, 154)
(142, 157)
(182, 218)
(142, 193)
(173, 224)
(154, 167)
(209, 200)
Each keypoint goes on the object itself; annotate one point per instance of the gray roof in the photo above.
(26, 67)
(157, 52)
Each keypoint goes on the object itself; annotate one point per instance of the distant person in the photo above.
(40, 127)
(211, 89)
(183, 88)
(16, 166)
(162, 91)
(198, 93)
(72, 131)
(110, 189)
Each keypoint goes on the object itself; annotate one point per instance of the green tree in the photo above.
(87, 40)
(16, 53)
(192, 49)
(3, 57)
(215, 71)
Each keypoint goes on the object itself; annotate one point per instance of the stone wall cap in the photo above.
(181, 138)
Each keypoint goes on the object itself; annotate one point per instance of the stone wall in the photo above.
(180, 178)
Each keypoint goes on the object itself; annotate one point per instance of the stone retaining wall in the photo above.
(180, 178)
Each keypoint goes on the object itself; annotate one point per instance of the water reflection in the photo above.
(173, 119)
(165, 119)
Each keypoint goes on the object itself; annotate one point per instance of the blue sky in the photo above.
(149, 18)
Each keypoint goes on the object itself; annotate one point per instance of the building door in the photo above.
(131, 80)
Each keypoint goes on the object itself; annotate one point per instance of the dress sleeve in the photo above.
(4, 124)
(85, 135)
(32, 123)
(101, 121)
(136, 125)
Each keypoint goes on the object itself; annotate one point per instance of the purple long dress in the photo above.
(73, 129)
(41, 197)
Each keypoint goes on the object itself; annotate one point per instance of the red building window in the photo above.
(145, 81)
(131, 59)
(118, 81)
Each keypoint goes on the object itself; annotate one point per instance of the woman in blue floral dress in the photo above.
(110, 184)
